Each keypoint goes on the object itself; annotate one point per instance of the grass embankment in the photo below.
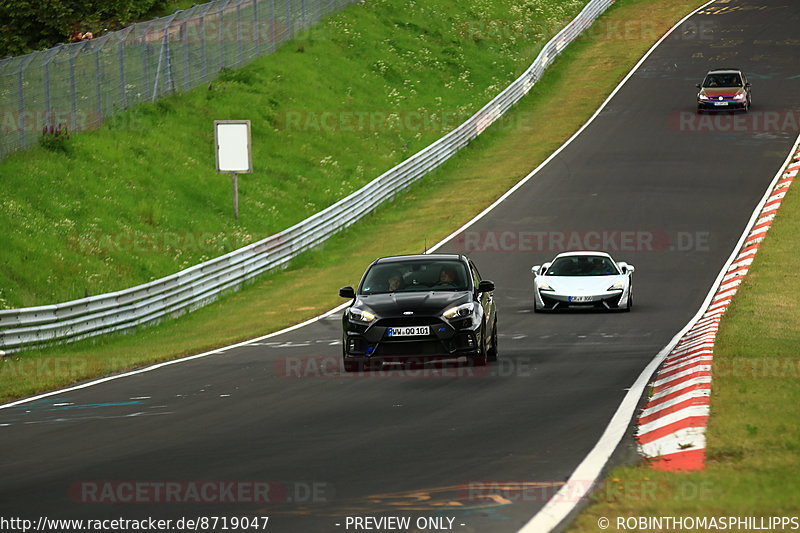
(140, 199)
(753, 439)
(481, 173)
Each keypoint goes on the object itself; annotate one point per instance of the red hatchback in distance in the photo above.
(724, 89)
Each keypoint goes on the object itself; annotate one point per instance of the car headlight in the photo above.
(361, 315)
(702, 97)
(739, 96)
(544, 286)
(459, 311)
(616, 287)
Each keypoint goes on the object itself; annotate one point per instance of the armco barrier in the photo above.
(201, 284)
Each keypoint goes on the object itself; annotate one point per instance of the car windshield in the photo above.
(731, 79)
(416, 276)
(582, 265)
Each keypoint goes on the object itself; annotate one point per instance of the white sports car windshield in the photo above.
(582, 265)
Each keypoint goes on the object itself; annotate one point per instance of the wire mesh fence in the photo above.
(202, 284)
(78, 85)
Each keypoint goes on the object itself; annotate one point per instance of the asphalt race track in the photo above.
(310, 446)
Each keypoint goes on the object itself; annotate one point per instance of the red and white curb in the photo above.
(672, 425)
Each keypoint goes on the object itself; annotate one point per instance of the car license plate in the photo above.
(580, 298)
(408, 331)
(720, 103)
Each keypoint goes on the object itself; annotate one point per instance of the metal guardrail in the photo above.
(201, 284)
(79, 85)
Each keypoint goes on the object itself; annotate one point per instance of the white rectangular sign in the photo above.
(232, 141)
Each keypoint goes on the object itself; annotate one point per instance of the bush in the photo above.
(55, 139)
(27, 25)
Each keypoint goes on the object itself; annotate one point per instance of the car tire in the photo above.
(629, 305)
(351, 366)
(479, 359)
(491, 355)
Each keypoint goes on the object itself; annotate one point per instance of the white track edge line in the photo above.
(174, 361)
(558, 508)
(342, 306)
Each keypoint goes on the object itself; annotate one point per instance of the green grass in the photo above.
(419, 218)
(753, 439)
(140, 199)
(169, 7)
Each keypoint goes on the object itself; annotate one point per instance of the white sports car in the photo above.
(585, 279)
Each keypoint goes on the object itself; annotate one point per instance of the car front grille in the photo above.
(411, 348)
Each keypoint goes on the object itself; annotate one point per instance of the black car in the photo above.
(724, 89)
(418, 308)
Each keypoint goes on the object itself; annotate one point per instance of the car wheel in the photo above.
(480, 358)
(491, 355)
(350, 366)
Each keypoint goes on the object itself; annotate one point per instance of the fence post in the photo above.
(123, 92)
(98, 82)
(48, 106)
(21, 100)
(73, 92)
(145, 65)
(221, 37)
(257, 29)
(272, 23)
(239, 48)
(164, 51)
(185, 37)
(289, 22)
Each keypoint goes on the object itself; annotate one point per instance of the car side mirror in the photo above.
(347, 292)
(485, 286)
(697, 85)
(631, 270)
(535, 270)
(747, 85)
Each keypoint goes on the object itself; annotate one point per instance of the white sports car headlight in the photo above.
(739, 96)
(459, 311)
(702, 97)
(544, 286)
(618, 286)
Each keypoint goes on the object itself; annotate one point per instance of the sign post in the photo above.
(232, 143)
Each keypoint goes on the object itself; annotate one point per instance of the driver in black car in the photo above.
(395, 282)
(447, 278)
